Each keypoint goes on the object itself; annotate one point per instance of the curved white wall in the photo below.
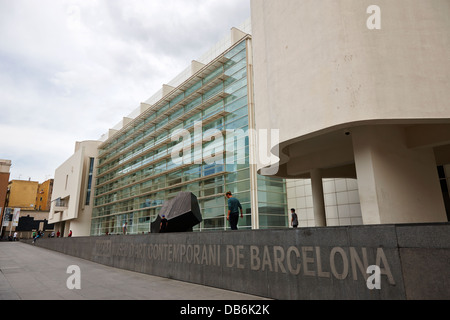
(318, 67)
(357, 103)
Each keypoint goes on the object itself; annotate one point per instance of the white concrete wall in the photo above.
(354, 102)
(70, 183)
(67, 186)
(396, 184)
(318, 60)
(5, 166)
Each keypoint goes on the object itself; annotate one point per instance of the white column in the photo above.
(396, 184)
(252, 140)
(318, 198)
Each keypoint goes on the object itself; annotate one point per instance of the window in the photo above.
(89, 186)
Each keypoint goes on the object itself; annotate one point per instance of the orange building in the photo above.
(44, 196)
(22, 194)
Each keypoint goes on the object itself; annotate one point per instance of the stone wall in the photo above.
(307, 263)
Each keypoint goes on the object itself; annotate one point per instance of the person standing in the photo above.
(124, 227)
(163, 224)
(294, 218)
(233, 210)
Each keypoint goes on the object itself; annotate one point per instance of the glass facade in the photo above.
(194, 139)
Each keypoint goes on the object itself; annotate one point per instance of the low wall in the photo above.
(307, 263)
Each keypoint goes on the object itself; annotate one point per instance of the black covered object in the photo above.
(182, 213)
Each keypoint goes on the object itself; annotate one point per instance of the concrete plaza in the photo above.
(32, 273)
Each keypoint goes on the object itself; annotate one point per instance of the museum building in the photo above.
(212, 105)
(363, 131)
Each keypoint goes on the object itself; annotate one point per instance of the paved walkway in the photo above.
(33, 273)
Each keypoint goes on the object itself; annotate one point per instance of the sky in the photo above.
(72, 69)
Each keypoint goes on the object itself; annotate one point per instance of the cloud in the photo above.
(71, 69)
(32, 151)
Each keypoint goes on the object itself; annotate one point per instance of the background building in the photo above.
(5, 166)
(369, 104)
(71, 206)
(28, 223)
(22, 194)
(44, 195)
(26, 201)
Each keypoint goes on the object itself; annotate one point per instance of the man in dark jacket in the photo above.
(163, 224)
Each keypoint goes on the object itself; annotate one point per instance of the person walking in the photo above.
(294, 219)
(38, 235)
(124, 228)
(233, 210)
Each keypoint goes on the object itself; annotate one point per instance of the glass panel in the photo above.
(239, 48)
(194, 88)
(177, 99)
(216, 223)
(213, 75)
